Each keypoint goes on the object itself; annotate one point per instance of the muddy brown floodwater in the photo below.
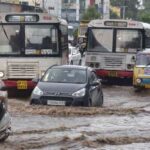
(123, 123)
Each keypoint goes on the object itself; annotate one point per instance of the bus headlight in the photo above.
(91, 65)
(138, 81)
(130, 66)
(97, 65)
(1, 74)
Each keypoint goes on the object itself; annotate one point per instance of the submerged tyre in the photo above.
(4, 137)
(101, 99)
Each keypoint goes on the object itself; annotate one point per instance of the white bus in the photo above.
(29, 44)
(112, 45)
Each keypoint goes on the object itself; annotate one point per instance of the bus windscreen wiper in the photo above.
(4, 30)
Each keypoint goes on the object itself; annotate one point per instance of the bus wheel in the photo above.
(80, 62)
(138, 89)
(71, 62)
(11, 93)
(101, 98)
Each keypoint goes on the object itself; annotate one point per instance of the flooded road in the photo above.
(123, 123)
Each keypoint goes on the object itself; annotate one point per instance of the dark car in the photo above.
(68, 85)
(5, 119)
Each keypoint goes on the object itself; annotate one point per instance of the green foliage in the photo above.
(75, 33)
(131, 9)
(113, 15)
(91, 13)
(144, 15)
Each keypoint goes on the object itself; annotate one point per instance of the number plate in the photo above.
(56, 103)
(21, 85)
(113, 74)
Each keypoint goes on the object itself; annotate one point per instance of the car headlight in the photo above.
(37, 91)
(79, 93)
(1, 74)
(138, 81)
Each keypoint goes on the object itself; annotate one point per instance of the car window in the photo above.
(65, 75)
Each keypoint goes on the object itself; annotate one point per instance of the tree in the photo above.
(130, 6)
(143, 14)
(91, 13)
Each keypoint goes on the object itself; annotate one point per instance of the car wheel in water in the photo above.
(80, 62)
(4, 138)
(89, 104)
(101, 98)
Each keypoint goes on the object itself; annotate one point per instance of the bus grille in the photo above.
(21, 70)
(113, 62)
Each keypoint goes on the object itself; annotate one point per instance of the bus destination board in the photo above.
(115, 23)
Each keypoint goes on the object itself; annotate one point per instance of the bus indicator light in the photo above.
(47, 17)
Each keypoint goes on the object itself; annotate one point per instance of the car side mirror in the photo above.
(35, 80)
(95, 83)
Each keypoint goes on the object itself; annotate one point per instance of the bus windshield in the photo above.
(128, 40)
(41, 40)
(102, 40)
(32, 39)
(10, 39)
(143, 59)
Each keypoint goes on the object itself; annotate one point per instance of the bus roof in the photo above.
(30, 18)
(116, 23)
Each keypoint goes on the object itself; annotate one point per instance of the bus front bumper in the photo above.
(114, 73)
(19, 84)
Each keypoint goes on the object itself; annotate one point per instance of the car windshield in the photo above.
(143, 59)
(65, 75)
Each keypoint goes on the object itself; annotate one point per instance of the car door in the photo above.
(94, 89)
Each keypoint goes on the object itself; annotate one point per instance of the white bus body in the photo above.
(112, 46)
(29, 44)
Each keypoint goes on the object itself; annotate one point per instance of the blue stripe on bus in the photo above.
(146, 81)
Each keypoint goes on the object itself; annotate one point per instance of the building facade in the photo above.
(10, 1)
(9, 7)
